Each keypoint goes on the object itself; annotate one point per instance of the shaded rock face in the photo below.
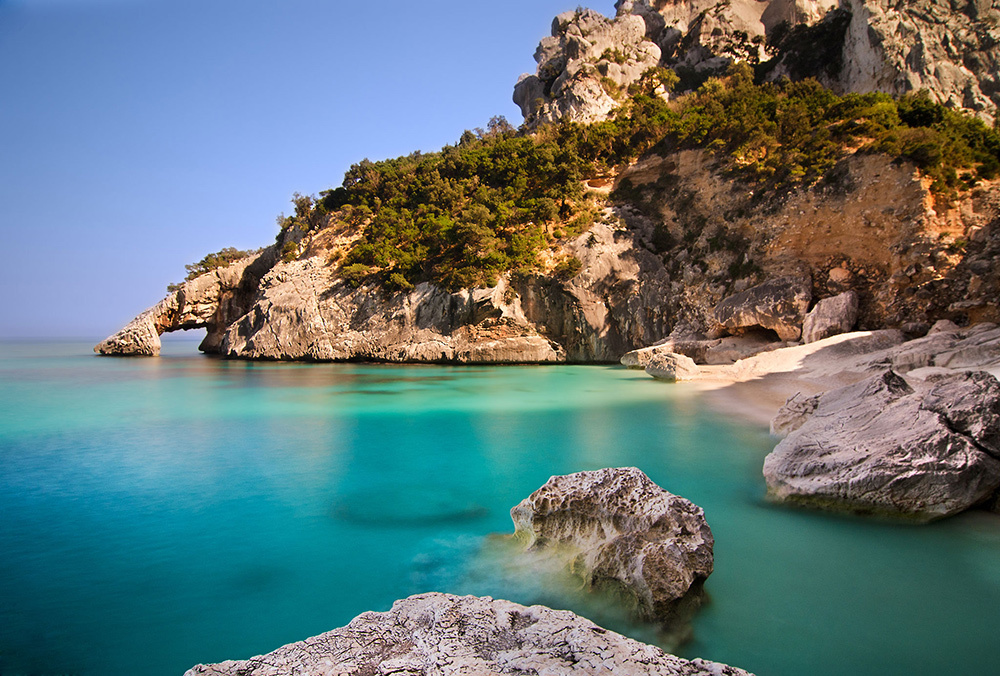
(625, 532)
(830, 317)
(440, 634)
(880, 446)
(778, 304)
(949, 48)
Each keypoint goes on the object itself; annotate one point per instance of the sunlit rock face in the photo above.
(882, 446)
(949, 48)
(622, 530)
(449, 635)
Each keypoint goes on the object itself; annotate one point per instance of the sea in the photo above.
(156, 513)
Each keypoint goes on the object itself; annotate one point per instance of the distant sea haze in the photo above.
(162, 512)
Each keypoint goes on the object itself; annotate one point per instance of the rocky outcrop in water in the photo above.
(212, 301)
(444, 635)
(882, 446)
(625, 532)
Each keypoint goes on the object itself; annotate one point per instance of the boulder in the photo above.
(638, 359)
(778, 304)
(880, 447)
(671, 367)
(624, 531)
(447, 635)
(830, 317)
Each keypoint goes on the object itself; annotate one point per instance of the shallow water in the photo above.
(157, 513)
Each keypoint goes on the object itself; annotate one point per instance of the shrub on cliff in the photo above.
(213, 261)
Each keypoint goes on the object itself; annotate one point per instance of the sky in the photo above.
(138, 135)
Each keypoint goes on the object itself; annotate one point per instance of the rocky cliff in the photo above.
(948, 48)
(659, 263)
(676, 240)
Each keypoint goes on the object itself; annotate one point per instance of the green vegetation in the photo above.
(460, 217)
(491, 203)
(212, 261)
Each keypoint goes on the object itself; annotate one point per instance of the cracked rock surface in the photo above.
(626, 532)
(440, 634)
(880, 446)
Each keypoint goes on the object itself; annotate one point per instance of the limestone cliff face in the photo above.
(680, 237)
(656, 265)
(950, 48)
(211, 301)
(302, 310)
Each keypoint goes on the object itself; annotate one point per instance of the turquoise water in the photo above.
(157, 513)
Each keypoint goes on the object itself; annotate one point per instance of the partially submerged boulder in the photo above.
(625, 532)
(671, 367)
(831, 316)
(779, 304)
(880, 447)
(447, 635)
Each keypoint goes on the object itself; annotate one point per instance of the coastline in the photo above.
(755, 388)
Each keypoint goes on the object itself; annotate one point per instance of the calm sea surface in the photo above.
(157, 513)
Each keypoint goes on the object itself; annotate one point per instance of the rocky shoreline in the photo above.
(873, 423)
(451, 635)
(612, 527)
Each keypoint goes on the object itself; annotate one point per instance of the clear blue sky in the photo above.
(138, 135)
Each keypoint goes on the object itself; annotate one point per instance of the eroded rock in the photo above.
(879, 446)
(624, 531)
(671, 367)
(778, 304)
(831, 316)
(445, 635)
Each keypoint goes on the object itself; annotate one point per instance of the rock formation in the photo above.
(778, 304)
(678, 254)
(671, 367)
(624, 531)
(948, 48)
(880, 446)
(584, 65)
(448, 635)
(213, 301)
(831, 316)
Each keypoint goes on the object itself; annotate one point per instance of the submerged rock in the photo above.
(880, 447)
(624, 531)
(441, 634)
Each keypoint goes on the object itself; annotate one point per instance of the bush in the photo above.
(213, 261)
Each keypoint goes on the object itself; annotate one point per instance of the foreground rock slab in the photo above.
(441, 634)
(880, 446)
(624, 531)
